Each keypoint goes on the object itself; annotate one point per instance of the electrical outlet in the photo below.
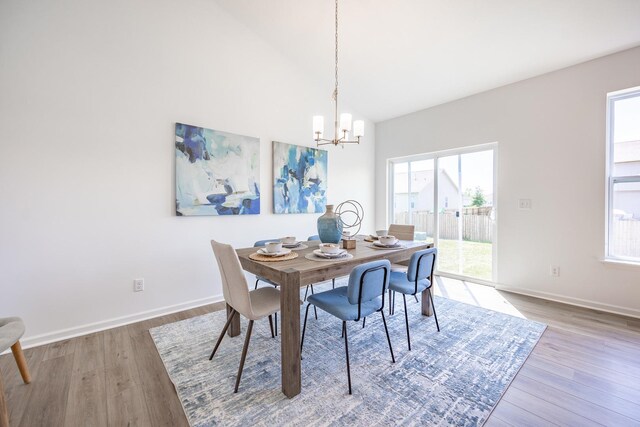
(524, 204)
(138, 285)
(554, 271)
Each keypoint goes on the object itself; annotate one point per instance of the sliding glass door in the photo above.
(449, 198)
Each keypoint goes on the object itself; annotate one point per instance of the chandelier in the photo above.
(342, 127)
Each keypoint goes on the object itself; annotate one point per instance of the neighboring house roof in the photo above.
(626, 151)
(419, 180)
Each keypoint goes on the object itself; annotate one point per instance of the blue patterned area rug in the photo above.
(454, 377)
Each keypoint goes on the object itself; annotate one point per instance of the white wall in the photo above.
(89, 94)
(551, 135)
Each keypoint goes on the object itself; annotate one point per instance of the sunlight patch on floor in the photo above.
(474, 294)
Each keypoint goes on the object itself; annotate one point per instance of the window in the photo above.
(449, 197)
(623, 175)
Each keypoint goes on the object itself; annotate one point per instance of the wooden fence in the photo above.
(625, 238)
(476, 228)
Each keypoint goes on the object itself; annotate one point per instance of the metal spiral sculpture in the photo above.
(351, 215)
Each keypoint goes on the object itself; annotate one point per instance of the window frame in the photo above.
(435, 156)
(610, 179)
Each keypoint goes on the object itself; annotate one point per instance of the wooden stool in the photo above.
(11, 330)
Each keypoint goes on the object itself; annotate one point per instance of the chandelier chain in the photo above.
(335, 92)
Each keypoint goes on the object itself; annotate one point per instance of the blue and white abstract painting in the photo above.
(217, 173)
(300, 179)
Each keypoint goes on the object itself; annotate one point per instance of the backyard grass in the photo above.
(476, 258)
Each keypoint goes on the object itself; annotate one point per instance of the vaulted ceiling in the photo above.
(400, 56)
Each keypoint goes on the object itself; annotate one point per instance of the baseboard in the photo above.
(89, 328)
(579, 302)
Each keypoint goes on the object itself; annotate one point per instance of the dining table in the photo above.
(292, 274)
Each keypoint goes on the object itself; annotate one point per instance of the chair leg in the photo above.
(4, 413)
(271, 326)
(346, 349)
(384, 321)
(333, 283)
(224, 330)
(275, 318)
(416, 297)
(315, 310)
(16, 349)
(364, 320)
(433, 306)
(256, 287)
(244, 355)
(304, 328)
(406, 320)
(390, 302)
(306, 291)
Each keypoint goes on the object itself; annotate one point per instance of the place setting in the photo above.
(374, 237)
(329, 252)
(274, 251)
(290, 242)
(387, 242)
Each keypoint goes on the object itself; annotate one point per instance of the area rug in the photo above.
(452, 377)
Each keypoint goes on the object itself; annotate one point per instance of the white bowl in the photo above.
(380, 233)
(273, 247)
(388, 240)
(329, 248)
(289, 240)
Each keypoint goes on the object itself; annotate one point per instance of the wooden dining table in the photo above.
(292, 274)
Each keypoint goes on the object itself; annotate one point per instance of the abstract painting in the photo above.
(299, 179)
(217, 173)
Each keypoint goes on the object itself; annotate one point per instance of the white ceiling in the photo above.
(400, 56)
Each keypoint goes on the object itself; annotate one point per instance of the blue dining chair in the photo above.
(415, 280)
(363, 296)
(316, 237)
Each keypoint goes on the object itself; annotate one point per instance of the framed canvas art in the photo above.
(299, 179)
(217, 173)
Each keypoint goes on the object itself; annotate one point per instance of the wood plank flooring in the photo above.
(584, 371)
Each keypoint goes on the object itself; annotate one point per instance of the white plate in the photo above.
(281, 253)
(380, 245)
(291, 245)
(325, 255)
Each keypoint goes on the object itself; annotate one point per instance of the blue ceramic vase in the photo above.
(330, 226)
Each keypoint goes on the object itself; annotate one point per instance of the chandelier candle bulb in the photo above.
(318, 125)
(345, 122)
(358, 128)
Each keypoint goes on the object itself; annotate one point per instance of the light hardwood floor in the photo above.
(584, 371)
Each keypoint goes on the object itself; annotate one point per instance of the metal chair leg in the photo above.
(390, 302)
(346, 349)
(406, 319)
(306, 291)
(416, 297)
(315, 310)
(304, 328)
(275, 318)
(434, 310)
(271, 326)
(333, 283)
(364, 320)
(244, 355)
(224, 330)
(384, 321)
(256, 287)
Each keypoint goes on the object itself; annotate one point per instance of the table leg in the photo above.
(427, 309)
(234, 327)
(290, 333)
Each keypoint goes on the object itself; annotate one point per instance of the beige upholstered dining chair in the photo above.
(11, 330)
(401, 232)
(254, 305)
